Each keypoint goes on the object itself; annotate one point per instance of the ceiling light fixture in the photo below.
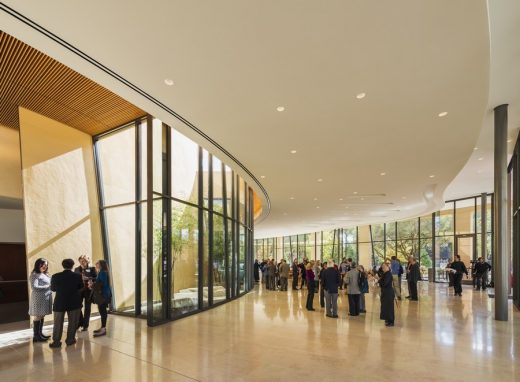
(361, 95)
(292, 198)
(432, 176)
(480, 158)
(320, 180)
(443, 114)
(293, 151)
(318, 207)
(340, 198)
(383, 174)
(262, 176)
(315, 198)
(403, 197)
(168, 82)
(509, 140)
(475, 148)
(280, 108)
(355, 192)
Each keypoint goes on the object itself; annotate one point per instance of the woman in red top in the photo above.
(310, 285)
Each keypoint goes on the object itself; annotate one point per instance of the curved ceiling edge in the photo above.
(129, 85)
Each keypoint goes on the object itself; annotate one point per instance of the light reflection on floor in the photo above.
(270, 336)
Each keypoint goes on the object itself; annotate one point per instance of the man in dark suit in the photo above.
(413, 275)
(68, 286)
(87, 273)
(331, 280)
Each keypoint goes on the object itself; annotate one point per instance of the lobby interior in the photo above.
(181, 142)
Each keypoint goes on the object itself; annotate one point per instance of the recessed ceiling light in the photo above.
(509, 140)
(285, 214)
(292, 198)
(443, 114)
(320, 180)
(362, 198)
(361, 95)
(480, 158)
(168, 82)
(315, 199)
(280, 108)
(432, 176)
(475, 148)
(340, 198)
(383, 174)
(293, 151)
(355, 192)
(262, 176)
(317, 206)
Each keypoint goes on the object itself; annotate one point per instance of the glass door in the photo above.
(465, 247)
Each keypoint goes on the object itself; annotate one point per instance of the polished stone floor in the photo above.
(269, 336)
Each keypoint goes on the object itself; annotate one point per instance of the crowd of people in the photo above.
(75, 291)
(328, 278)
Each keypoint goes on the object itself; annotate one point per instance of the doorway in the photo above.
(465, 247)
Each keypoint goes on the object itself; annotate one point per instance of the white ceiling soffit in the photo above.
(234, 62)
(504, 88)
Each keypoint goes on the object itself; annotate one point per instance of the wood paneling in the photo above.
(37, 82)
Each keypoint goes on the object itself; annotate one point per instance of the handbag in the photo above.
(97, 294)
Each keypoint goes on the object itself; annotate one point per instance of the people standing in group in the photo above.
(331, 280)
(102, 294)
(263, 270)
(322, 289)
(256, 271)
(363, 288)
(302, 273)
(353, 291)
(387, 296)
(295, 272)
(310, 286)
(87, 273)
(413, 276)
(284, 275)
(316, 268)
(68, 286)
(460, 270)
(482, 269)
(41, 298)
(343, 271)
(395, 268)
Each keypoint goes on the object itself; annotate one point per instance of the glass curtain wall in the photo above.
(177, 222)
(433, 239)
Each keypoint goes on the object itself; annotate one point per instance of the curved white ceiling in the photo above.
(234, 62)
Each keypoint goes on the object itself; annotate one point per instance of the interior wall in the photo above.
(11, 226)
(59, 191)
(10, 166)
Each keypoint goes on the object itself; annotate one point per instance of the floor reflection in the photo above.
(268, 335)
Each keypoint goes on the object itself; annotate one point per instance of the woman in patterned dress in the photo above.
(41, 298)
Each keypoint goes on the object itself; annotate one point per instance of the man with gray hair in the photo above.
(331, 280)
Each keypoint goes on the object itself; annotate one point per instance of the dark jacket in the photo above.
(330, 279)
(414, 273)
(387, 297)
(89, 272)
(68, 286)
(481, 268)
(460, 267)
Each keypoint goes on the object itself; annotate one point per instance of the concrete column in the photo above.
(501, 252)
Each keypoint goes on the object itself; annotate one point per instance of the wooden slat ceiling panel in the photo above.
(35, 81)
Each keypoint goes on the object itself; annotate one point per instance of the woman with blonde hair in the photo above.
(387, 296)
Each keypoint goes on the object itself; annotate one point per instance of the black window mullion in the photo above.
(138, 219)
(210, 230)
(201, 232)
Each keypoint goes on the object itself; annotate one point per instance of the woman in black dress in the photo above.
(387, 296)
